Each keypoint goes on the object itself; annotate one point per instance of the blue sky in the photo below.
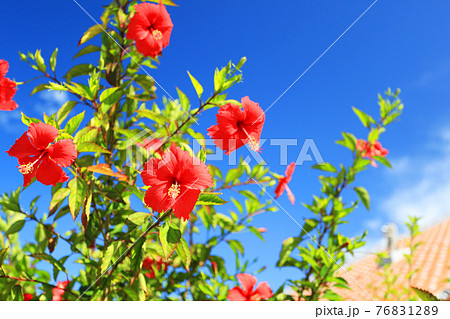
(401, 44)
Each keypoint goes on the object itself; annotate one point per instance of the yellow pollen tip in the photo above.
(157, 34)
(174, 191)
(26, 169)
(254, 144)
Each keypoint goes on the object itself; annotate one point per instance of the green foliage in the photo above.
(129, 254)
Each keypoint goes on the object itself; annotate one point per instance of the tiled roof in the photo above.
(432, 258)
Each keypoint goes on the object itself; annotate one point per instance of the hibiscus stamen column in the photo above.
(252, 142)
(174, 190)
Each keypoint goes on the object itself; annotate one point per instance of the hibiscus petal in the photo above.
(226, 134)
(149, 46)
(185, 202)
(41, 135)
(63, 152)
(4, 66)
(280, 187)
(247, 282)
(22, 148)
(149, 172)
(263, 290)
(236, 294)
(49, 173)
(197, 176)
(290, 195)
(157, 199)
(8, 89)
(28, 177)
(289, 171)
(8, 106)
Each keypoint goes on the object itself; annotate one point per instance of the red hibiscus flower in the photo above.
(369, 150)
(246, 293)
(27, 297)
(150, 264)
(236, 127)
(283, 183)
(8, 89)
(38, 158)
(59, 290)
(176, 181)
(150, 27)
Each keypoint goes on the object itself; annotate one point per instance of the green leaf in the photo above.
(174, 234)
(165, 2)
(184, 101)
(138, 218)
(169, 236)
(64, 111)
(383, 160)
(210, 199)
(349, 141)
(90, 33)
(57, 199)
(16, 226)
(86, 50)
(17, 293)
(234, 173)
(79, 70)
(73, 124)
(53, 60)
(256, 232)
(28, 120)
(288, 246)
(363, 195)
(3, 254)
(39, 88)
(91, 147)
(109, 97)
(78, 190)
(40, 61)
(424, 294)
(327, 167)
(197, 86)
(365, 119)
(107, 257)
(184, 253)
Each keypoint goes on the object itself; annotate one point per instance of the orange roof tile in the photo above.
(432, 258)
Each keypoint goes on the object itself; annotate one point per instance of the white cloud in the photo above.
(9, 119)
(437, 76)
(422, 185)
(50, 102)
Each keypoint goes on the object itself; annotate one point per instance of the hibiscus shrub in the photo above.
(124, 176)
